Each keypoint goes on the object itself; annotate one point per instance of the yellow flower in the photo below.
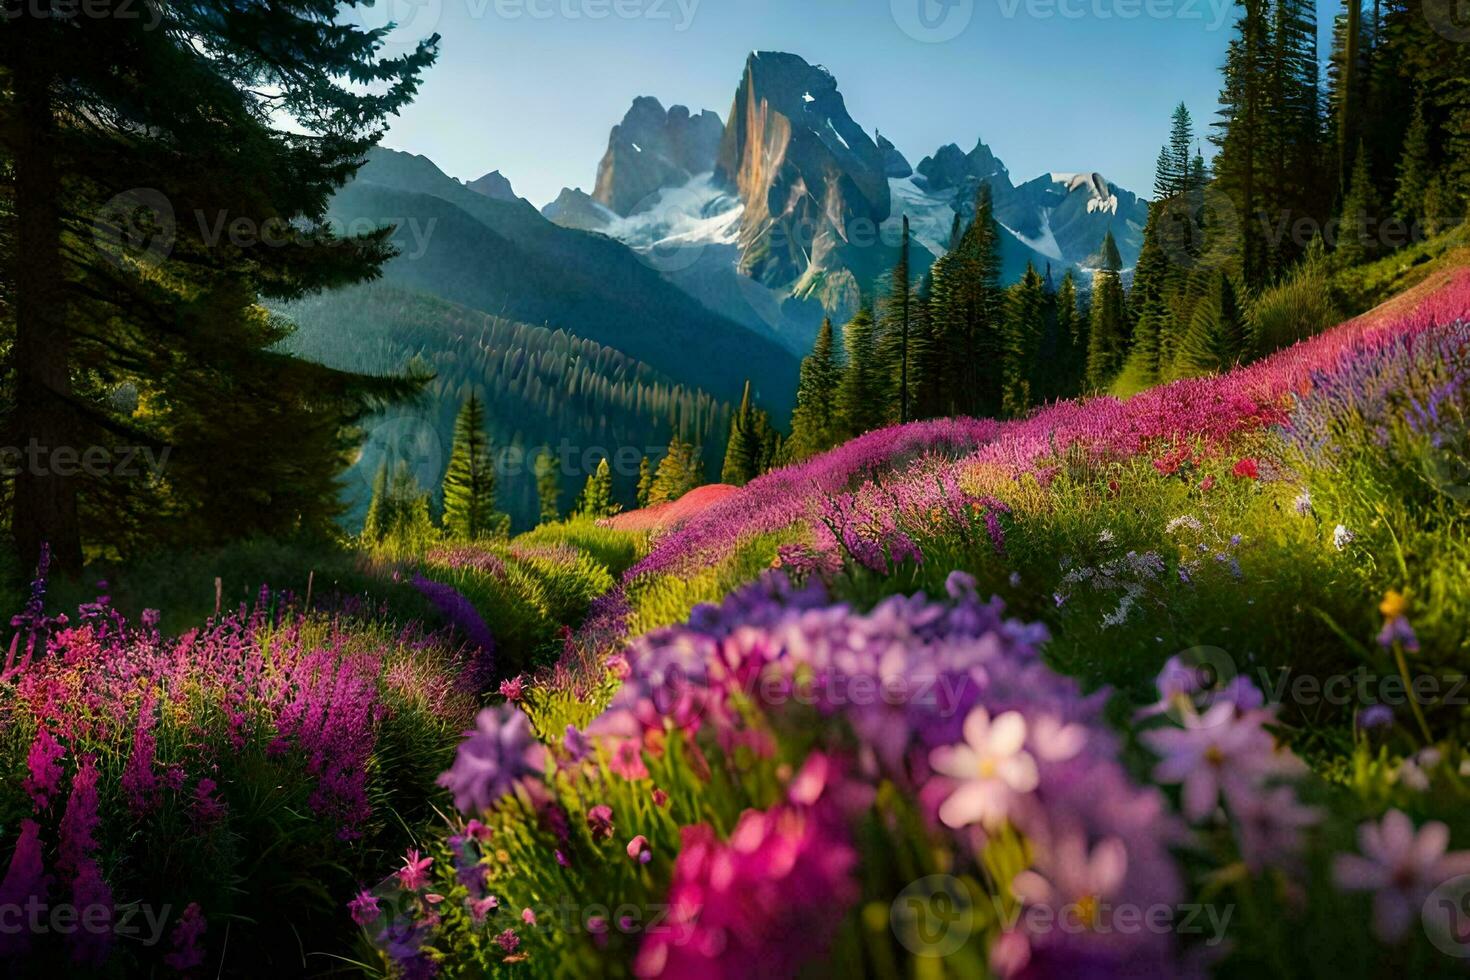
(1393, 605)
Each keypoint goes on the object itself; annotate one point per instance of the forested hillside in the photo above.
(541, 387)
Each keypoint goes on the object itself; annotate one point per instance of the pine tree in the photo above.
(1415, 170)
(1198, 178)
(765, 442)
(469, 483)
(962, 368)
(981, 308)
(1108, 330)
(1243, 132)
(900, 310)
(597, 494)
(1361, 212)
(1216, 339)
(399, 511)
(1072, 332)
(743, 449)
(1172, 172)
(859, 405)
(1025, 322)
(1349, 76)
(375, 525)
(813, 421)
(221, 113)
(548, 486)
(1439, 206)
(1154, 278)
(645, 482)
(678, 473)
(1163, 180)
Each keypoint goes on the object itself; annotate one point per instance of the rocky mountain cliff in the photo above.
(813, 182)
(652, 149)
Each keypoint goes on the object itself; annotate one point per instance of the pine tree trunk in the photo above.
(903, 399)
(45, 507)
(1349, 106)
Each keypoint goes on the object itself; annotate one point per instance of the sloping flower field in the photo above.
(1165, 687)
(828, 771)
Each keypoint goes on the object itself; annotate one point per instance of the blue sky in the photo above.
(531, 87)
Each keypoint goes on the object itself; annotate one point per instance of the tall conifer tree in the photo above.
(1108, 330)
(257, 113)
(812, 422)
(548, 486)
(469, 483)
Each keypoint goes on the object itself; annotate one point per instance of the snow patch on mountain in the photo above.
(931, 217)
(1045, 243)
(695, 213)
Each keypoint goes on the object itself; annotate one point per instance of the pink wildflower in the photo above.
(80, 821)
(415, 871)
(364, 908)
(1400, 867)
(599, 822)
(773, 895)
(627, 759)
(43, 780)
(24, 879)
(1220, 751)
(990, 768)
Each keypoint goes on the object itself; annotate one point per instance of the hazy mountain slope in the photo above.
(503, 258)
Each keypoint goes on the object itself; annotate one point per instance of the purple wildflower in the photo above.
(499, 751)
(187, 940)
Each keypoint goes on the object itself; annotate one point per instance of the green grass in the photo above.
(1363, 287)
(182, 584)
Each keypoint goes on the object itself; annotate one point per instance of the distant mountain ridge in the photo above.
(815, 203)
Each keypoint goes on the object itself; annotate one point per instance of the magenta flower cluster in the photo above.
(175, 714)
